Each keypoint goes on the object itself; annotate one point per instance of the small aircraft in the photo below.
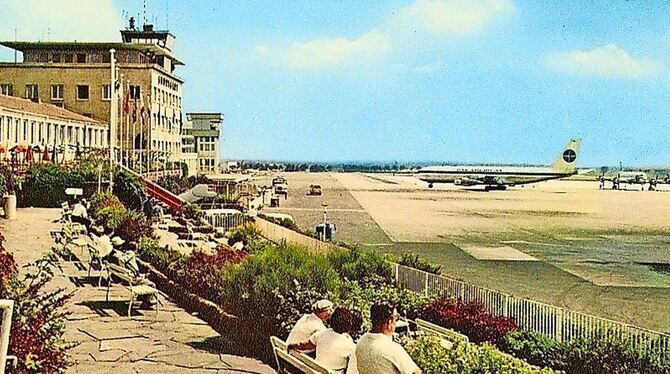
(500, 177)
(625, 177)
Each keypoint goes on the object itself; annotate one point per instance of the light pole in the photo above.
(325, 220)
(112, 118)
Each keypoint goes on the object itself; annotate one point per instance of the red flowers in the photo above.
(471, 319)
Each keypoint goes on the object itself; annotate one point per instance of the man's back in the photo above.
(304, 328)
(377, 353)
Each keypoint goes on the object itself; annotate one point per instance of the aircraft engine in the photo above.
(465, 181)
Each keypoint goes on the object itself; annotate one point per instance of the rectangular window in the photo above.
(32, 91)
(68, 57)
(81, 58)
(57, 92)
(55, 57)
(107, 92)
(82, 92)
(6, 89)
(135, 92)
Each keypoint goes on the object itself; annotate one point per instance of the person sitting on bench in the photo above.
(80, 214)
(335, 349)
(311, 323)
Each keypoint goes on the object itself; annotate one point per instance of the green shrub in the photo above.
(416, 262)
(249, 234)
(160, 257)
(259, 287)
(464, 358)
(45, 185)
(360, 297)
(192, 211)
(362, 265)
(111, 216)
(103, 200)
(133, 226)
(130, 190)
(603, 353)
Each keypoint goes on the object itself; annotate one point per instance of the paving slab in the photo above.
(172, 341)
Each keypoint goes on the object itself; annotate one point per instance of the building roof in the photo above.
(145, 47)
(43, 109)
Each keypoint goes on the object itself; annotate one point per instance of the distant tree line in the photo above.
(319, 167)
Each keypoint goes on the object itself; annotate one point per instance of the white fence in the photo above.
(558, 323)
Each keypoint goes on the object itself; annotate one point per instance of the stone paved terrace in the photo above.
(173, 341)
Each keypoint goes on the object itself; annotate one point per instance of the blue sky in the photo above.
(452, 80)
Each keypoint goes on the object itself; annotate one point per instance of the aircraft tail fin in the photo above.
(566, 163)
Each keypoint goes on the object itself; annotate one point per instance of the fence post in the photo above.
(558, 334)
(505, 306)
(425, 291)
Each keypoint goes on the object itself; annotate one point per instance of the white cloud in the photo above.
(608, 61)
(452, 17)
(329, 52)
(84, 20)
(429, 68)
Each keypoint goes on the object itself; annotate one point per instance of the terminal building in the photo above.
(26, 123)
(201, 139)
(76, 76)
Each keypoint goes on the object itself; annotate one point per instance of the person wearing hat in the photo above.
(310, 323)
(80, 214)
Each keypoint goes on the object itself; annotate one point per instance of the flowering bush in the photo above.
(471, 319)
(464, 358)
(203, 272)
(132, 226)
(36, 337)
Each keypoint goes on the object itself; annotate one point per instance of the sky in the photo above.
(504, 81)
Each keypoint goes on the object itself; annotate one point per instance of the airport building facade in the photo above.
(76, 76)
(28, 124)
(201, 135)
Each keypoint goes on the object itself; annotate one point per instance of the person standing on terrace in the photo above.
(376, 352)
(311, 323)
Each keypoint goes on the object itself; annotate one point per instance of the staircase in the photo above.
(159, 193)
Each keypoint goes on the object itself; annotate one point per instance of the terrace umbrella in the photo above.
(29, 154)
(45, 155)
(3, 150)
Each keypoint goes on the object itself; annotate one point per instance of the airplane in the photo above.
(626, 177)
(500, 177)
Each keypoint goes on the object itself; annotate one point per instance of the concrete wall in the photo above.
(278, 233)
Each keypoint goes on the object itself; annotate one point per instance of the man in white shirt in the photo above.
(80, 214)
(335, 349)
(311, 323)
(376, 352)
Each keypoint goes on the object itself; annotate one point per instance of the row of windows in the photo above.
(82, 58)
(82, 91)
(166, 98)
(15, 130)
(207, 147)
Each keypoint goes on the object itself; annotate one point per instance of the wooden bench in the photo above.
(295, 360)
(132, 283)
(448, 336)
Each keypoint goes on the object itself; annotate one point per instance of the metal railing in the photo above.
(556, 322)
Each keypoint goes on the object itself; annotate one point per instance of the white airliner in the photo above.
(499, 177)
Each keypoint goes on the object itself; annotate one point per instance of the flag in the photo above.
(126, 101)
(143, 109)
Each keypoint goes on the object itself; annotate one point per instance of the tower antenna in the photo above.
(145, 12)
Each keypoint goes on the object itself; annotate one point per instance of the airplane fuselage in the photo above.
(487, 175)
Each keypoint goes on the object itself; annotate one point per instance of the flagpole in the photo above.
(112, 120)
(121, 133)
